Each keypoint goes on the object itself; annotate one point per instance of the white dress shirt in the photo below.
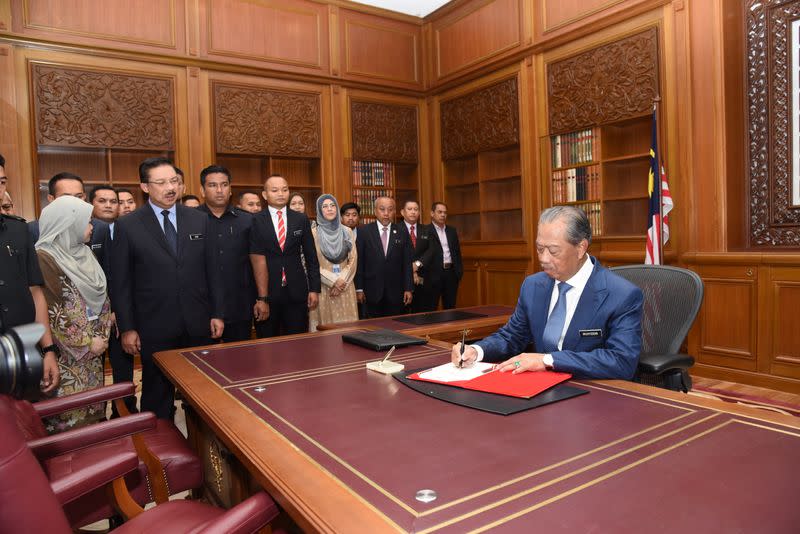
(173, 217)
(578, 283)
(273, 213)
(446, 258)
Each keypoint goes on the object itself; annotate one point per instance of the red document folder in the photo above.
(523, 385)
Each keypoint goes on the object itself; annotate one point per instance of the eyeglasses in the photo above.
(175, 180)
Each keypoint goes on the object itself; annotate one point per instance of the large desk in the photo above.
(343, 449)
(450, 331)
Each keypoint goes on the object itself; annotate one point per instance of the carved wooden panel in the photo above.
(466, 39)
(773, 220)
(384, 131)
(254, 120)
(482, 120)
(608, 83)
(82, 108)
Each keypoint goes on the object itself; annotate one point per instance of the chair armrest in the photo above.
(87, 479)
(656, 364)
(80, 438)
(50, 407)
(244, 518)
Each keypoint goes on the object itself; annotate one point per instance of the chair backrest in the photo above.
(27, 503)
(672, 298)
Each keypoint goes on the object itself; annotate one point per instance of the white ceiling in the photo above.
(416, 8)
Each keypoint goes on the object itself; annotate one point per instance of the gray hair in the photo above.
(578, 226)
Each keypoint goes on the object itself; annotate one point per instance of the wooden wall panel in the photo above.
(382, 131)
(504, 279)
(469, 290)
(564, 20)
(728, 328)
(386, 50)
(784, 289)
(481, 31)
(149, 23)
(288, 32)
(557, 13)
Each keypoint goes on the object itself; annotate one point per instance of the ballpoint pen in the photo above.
(461, 352)
(387, 355)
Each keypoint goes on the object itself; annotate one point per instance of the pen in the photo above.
(387, 355)
(461, 352)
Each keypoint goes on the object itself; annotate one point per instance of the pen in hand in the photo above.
(463, 346)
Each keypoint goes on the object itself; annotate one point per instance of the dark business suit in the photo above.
(288, 304)
(232, 231)
(121, 362)
(383, 278)
(425, 252)
(603, 339)
(169, 300)
(445, 278)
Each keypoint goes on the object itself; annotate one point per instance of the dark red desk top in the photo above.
(393, 324)
(612, 461)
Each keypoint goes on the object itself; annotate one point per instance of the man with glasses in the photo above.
(165, 289)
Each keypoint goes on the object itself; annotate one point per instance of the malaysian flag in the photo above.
(660, 203)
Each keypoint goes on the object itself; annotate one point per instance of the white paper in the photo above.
(450, 373)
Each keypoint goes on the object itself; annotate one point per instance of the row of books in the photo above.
(366, 199)
(571, 185)
(373, 173)
(574, 148)
(592, 211)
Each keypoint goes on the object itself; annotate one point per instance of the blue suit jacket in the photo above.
(609, 303)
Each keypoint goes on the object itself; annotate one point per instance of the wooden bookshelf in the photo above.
(373, 179)
(603, 170)
(483, 193)
(249, 172)
(118, 167)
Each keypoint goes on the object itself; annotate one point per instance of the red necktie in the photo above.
(282, 241)
(413, 237)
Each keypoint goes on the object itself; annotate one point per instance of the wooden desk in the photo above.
(343, 449)
(480, 327)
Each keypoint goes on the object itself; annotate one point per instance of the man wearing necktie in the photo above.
(166, 287)
(580, 318)
(423, 255)
(286, 291)
(384, 278)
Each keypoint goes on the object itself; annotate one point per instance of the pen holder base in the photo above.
(386, 368)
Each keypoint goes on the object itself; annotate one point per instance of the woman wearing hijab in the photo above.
(337, 267)
(77, 303)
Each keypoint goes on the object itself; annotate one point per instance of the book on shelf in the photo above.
(373, 173)
(575, 184)
(573, 148)
(592, 210)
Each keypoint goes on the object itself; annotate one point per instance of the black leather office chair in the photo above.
(672, 298)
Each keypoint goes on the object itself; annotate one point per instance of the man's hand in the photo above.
(50, 372)
(527, 361)
(417, 279)
(130, 342)
(261, 311)
(217, 327)
(468, 358)
(408, 296)
(360, 297)
(313, 300)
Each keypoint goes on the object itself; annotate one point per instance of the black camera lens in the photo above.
(20, 361)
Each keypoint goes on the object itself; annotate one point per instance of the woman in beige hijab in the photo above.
(77, 303)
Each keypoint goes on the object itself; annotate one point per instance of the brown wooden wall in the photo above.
(343, 52)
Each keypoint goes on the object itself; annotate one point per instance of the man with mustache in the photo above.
(166, 288)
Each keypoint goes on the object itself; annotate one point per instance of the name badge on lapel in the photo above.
(297, 233)
(196, 237)
(97, 246)
(593, 332)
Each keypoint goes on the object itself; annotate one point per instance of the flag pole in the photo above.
(657, 109)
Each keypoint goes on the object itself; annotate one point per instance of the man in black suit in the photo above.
(424, 252)
(285, 291)
(447, 273)
(166, 290)
(384, 278)
(232, 229)
(63, 183)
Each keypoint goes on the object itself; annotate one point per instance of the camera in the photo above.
(20, 362)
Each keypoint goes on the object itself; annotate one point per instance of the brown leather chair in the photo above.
(167, 464)
(30, 505)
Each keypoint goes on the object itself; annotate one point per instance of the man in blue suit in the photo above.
(581, 318)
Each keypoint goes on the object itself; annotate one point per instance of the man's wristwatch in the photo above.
(51, 348)
(263, 299)
(418, 264)
(547, 360)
